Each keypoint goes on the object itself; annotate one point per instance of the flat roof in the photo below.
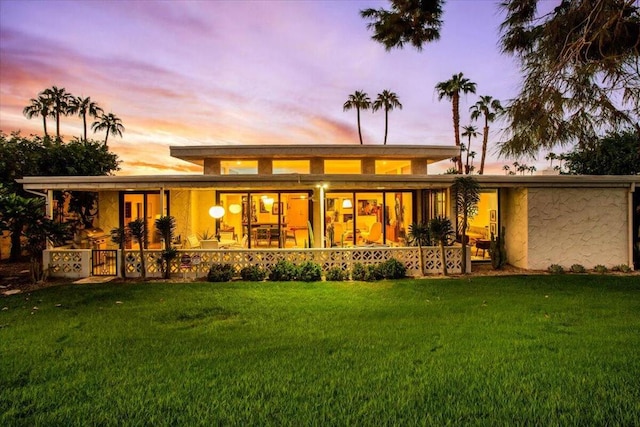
(307, 181)
(197, 153)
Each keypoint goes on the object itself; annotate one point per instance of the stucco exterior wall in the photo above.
(108, 212)
(180, 208)
(515, 220)
(586, 226)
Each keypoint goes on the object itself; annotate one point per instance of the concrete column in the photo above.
(211, 166)
(317, 166)
(265, 167)
(368, 166)
(418, 166)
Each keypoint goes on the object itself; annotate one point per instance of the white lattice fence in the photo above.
(72, 263)
(343, 258)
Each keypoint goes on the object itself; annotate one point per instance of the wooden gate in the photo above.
(104, 262)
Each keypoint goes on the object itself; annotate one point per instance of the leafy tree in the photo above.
(37, 156)
(408, 21)
(488, 108)
(387, 100)
(360, 101)
(39, 107)
(451, 90)
(471, 132)
(137, 228)
(60, 101)
(82, 107)
(615, 154)
(580, 69)
(109, 122)
(441, 231)
(467, 196)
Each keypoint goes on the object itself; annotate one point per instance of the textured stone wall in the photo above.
(586, 226)
(515, 220)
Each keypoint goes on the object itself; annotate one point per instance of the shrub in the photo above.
(392, 269)
(358, 272)
(577, 268)
(624, 268)
(372, 273)
(336, 274)
(555, 269)
(283, 271)
(309, 271)
(220, 273)
(601, 269)
(253, 273)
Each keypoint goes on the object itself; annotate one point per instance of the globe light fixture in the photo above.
(216, 212)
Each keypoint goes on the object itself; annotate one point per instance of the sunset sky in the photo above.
(242, 72)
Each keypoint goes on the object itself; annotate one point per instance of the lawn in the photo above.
(520, 350)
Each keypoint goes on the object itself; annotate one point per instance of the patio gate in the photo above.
(103, 262)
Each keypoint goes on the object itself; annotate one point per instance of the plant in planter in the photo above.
(137, 230)
(419, 235)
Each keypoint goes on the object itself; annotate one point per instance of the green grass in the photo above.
(536, 350)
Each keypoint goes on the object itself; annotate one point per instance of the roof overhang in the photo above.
(306, 181)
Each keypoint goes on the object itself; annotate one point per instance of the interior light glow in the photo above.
(216, 212)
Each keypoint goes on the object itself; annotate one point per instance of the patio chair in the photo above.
(193, 241)
(374, 234)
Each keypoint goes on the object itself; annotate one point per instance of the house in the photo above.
(359, 196)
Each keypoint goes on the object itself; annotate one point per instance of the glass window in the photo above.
(291, 166)
(238, 167)
(337, 167)
(393, 167)
(266, 220)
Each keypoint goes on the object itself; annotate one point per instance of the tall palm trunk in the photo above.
(485, 140)
(107, 135)
(57, 122)
(84, 122)
(456, 126)
(359, 131)
(44, 124)
(386, 124)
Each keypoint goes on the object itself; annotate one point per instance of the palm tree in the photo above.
(387, 100)
(40, 106)
(60, 100)
(137, 228)
(360, 101)
(419, 235)
(408, 21)
(451, 90)
(471, 132)
(109, 122)
(82, 107)
(489, 108)
(441, 231)
(467, 194)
